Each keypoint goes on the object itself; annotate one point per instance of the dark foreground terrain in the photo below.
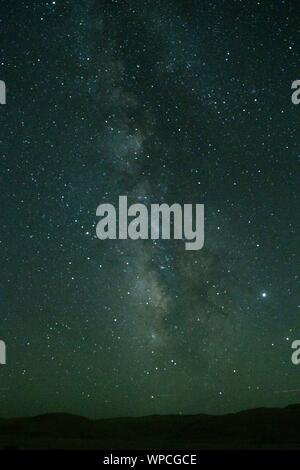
(262, 428)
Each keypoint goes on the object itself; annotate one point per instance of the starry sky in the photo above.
(162, 101)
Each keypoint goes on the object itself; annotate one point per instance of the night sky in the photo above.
(162, 101)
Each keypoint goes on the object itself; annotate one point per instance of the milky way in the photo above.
(186, 102)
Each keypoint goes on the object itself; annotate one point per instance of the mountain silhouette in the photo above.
(260, 428)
